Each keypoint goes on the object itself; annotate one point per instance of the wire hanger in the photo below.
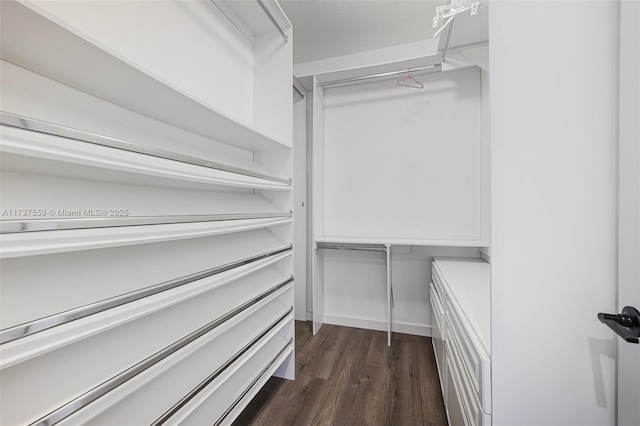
(409, 81)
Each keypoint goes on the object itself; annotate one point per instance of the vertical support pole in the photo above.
(389, 293)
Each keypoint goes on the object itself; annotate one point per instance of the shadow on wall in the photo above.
(599, 348)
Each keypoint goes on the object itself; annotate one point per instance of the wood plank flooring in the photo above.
(348, 376)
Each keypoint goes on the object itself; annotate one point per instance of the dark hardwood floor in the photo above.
(349, 376)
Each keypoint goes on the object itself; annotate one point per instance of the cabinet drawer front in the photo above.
(148, 399)
(213, 404)
(437, 310)
(437, 334)
(438, 283)
(453, 402)
(81, 366)
(472, 360)
(467, 393)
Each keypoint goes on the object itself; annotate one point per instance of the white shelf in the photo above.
(403, 241)
(23, 349)
(48, 242)
(65, 54)
(25, 151)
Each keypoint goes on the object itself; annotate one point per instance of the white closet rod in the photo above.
(82, 401)
(285, 37)
(36, 225)
(349, 247)
(26, 329)
(432, 68)
(26, 123)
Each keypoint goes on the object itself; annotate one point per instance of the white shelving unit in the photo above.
(90, 65)
(96, 117)
(391, 168)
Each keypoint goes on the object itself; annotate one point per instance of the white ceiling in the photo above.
(329, 28)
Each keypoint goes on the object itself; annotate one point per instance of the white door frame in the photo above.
(628, 387)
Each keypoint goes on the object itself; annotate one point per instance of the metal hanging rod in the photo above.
(285, 37)
(298, 90)
(87, 398)
(231, 16)
(202, 385)
(26, 123)
(433, 68)
(32, 327)
(36, 225)
(330, 246)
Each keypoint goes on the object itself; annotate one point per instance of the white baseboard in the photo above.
(397, 327)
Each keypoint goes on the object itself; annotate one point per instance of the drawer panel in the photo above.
(437, 332)
(466, 392)
(213, 404)
(438, 283)
(453, 403)
(79, 367)
(438, 311)
(68, 281)
(147, 400)
(472, 360)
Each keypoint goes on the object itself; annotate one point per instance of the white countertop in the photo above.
(469, 282)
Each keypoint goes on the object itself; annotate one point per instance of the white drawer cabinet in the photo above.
(460, 302)
(438, 331)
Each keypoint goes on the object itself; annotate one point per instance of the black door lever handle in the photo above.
(625, 324)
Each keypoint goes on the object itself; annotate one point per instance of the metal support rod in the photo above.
(446, 44)
(59, 224)
(285, 37)
(298, 90)
(389, 293)
(26, 123)
(372, 76)
(87, 398)
(230, 17)
(349, 247)
(465, 46)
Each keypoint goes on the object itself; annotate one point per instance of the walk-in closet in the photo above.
(319, 212)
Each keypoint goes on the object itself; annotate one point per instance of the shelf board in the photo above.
(22, 349)
(25, 151)
(403, 242)
(36, 40)
(48, 242)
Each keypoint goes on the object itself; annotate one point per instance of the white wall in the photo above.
(404, 163)
(300, 210)
(485, 160)
(188, 45)
(629, 214)
(553, 157)
(356, 287)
